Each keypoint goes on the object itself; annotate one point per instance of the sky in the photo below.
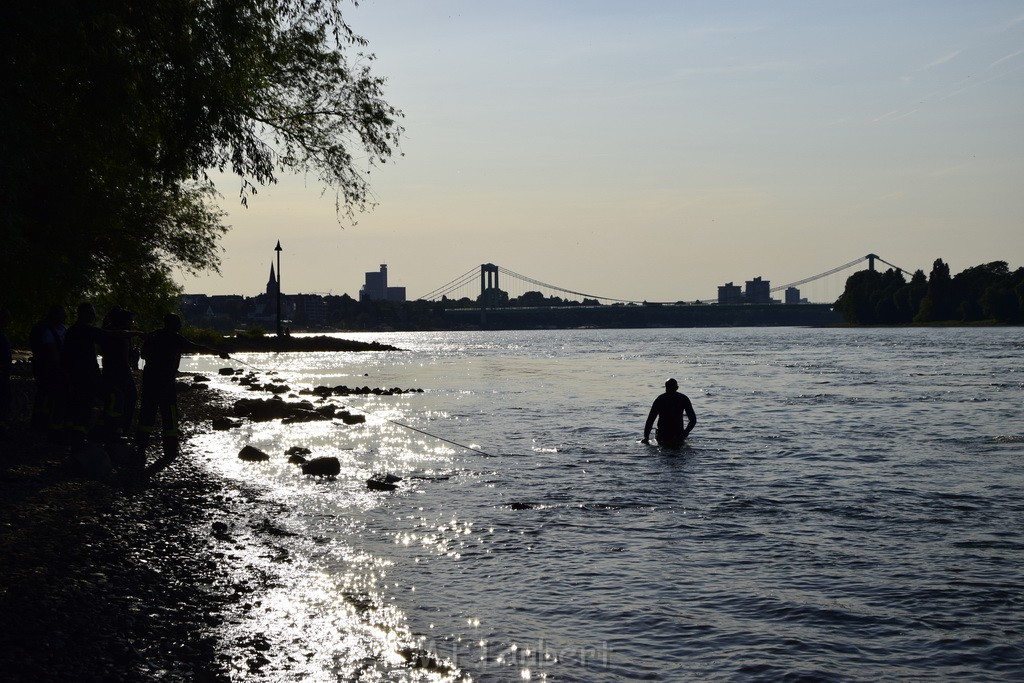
(654, 150)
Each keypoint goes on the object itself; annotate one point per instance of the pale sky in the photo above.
(653, 150)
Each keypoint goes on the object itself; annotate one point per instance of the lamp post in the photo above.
(278, 249)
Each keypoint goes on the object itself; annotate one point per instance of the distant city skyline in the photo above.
(656, 150)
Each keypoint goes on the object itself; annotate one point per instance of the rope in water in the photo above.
(434, 436)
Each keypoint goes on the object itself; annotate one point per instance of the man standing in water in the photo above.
(669, 408)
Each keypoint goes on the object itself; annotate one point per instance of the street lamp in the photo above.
(280, 330)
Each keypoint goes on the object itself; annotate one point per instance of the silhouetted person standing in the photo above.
(162, 351)
(669, 409)
(47, 342)
(6, 365)
(120, 394)
(83, 371)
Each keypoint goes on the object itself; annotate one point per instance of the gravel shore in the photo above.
(115, 581)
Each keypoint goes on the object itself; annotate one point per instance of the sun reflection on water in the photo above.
(312, 606)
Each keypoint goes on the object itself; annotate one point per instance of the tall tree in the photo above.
(971, 284)
(938, 304)
(857, 303)
(116, 110)
(908, 298)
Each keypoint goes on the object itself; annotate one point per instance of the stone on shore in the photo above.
(222, 422)
(93, 461)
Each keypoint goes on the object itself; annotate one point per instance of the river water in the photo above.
(850, 507)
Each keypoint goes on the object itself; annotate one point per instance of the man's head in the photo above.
(172, 322)
(86, 313)
(124, 319)
(671, 385)
(56, 316)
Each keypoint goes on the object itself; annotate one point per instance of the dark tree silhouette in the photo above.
(985, 292)
(114, 113)
(937, 304)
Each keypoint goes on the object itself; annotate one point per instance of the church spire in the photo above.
(272, 283)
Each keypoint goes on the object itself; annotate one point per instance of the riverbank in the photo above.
(110, 581)
(290, 343)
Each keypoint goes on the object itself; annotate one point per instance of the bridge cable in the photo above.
(819, 275)
(451, 286)
(454, 287)
(892, 265)
(562, 289)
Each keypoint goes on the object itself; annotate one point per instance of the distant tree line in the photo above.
(345, 313)
(498, 297)
(989, 292)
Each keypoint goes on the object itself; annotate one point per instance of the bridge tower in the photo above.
(488, 278)
(871, 261)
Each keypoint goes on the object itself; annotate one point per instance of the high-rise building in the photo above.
(730, 294)
(758, 291)
(375, 287)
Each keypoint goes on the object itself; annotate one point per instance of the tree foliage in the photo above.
(116, 111)
(986, 292)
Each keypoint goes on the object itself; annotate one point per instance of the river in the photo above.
(850, 507)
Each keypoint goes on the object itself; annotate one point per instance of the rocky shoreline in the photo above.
(289, 343)
(111, 581)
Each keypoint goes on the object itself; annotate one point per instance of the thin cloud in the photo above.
(885, 116)
(904, 115)
(894, 115)
(1007, 25)
(942, 60)
(1007, 57)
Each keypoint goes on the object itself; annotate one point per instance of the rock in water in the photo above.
(252, 454)
(326, 466)
(383, 482)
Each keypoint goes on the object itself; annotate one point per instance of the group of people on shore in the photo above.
(85, 378)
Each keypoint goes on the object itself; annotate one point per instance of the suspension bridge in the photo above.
(476, 283)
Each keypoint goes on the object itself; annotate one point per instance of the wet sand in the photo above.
(113, 581)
